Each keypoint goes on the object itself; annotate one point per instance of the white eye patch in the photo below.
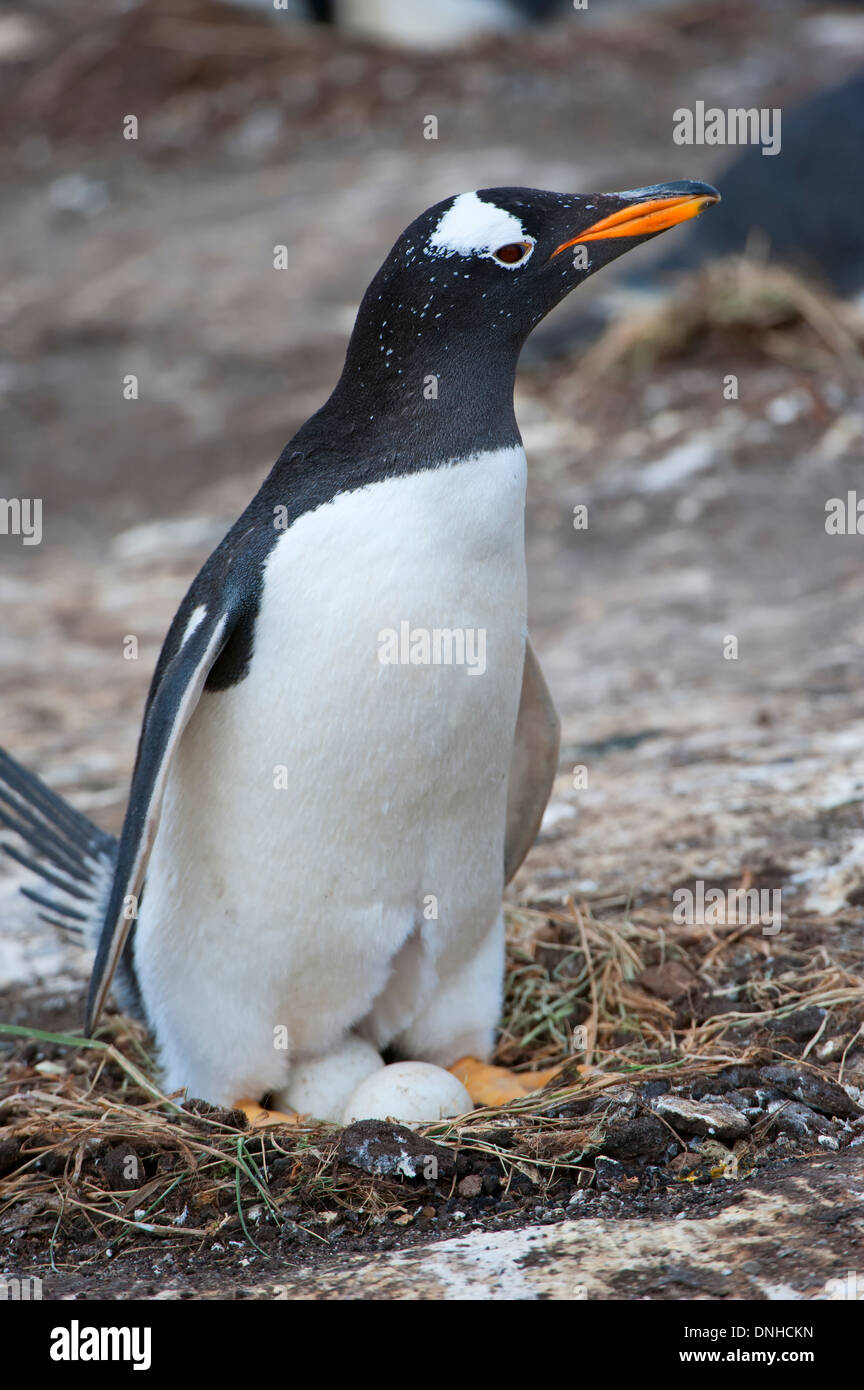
(471, 227)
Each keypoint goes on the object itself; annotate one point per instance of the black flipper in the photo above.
(174, 694)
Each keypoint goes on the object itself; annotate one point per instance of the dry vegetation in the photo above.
(745, 304)
(91, 1149)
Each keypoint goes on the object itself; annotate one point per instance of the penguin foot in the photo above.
(491, 1086)
(259, 1118)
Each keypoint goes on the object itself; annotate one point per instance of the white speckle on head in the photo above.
(471, 227)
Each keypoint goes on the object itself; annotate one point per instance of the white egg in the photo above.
(411, 1093)
(321, 1086)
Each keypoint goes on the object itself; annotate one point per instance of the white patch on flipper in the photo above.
(195, 621)
(149, 823)
(471, 227)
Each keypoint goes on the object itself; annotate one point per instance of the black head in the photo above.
(495, 262)
(461, 290)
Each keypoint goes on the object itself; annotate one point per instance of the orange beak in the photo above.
(643, 219)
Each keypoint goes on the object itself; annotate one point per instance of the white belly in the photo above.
(330, 807)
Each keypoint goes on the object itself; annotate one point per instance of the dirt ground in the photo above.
(706, 520)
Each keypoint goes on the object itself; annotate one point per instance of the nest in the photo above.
(91, 1147)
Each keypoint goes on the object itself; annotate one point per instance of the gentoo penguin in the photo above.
(348, 743)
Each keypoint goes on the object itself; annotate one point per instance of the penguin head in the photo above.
(496, 261)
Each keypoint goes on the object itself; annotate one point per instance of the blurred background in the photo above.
(304, 125)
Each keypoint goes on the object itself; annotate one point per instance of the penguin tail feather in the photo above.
(73, 857)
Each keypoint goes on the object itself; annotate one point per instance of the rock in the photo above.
(9, 1150)
(817, 1092)
(54, 1161)
(643, 1137)
(611, 1176)
(392, 1151)
(651, 1089)
(791, 1117)
(799, 1026)
(701, 1117)
(730, 1078)
(19, 1218)
(122, 1168)
(491, 1181)
(470, 1186)
(616, 1105)
(670, 981)
(746, 1100)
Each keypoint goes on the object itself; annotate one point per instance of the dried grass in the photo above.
(766, 308)
(206, 1173)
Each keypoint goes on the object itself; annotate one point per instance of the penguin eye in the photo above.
(514, 253)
